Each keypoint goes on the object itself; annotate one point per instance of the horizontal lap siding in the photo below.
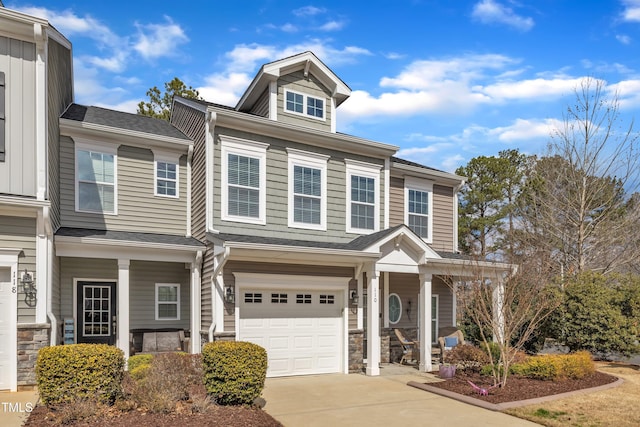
(20, 233)
(445, 302)
(142, 287)
(298, 83)
(396, 201)
(17, 172)
(139, 210)
(277, 192)
(443, 218)
(265, 268)
(83, 268)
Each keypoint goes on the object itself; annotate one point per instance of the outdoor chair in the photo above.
(410, 348)
(449, 338)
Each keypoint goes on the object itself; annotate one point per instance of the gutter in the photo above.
(221, 262)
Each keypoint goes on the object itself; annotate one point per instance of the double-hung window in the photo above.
(307, 189)
(363, 206)
(166, 179)
(96, 179)
(307, 105)
(418, 207)
(167, 301)
(243, 180)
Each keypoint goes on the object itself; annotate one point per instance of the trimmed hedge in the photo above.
(68, 373)
(139, 360)
(555, 367)
(234, 371)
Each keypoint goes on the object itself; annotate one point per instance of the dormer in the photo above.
(299, 90)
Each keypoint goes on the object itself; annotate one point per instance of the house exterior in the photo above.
(257, 222)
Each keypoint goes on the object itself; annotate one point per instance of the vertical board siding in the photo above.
(139, 210)
(443, 220)
(142, 287)
(20, 233)
(60, 90)
(396, 201)
(261, 107)
(17, 172)
(277, 189)
(265, 268)
(192, 123)
(298, 83)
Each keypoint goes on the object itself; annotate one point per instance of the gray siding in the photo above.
(82, 268)
(277, 192)
(20, 233)
(142, 282)
(261, 107)
(138, 209)
(296, 82)
(264, 268)
(17, 172)
(56, 289)
(396, 201)
(443, 218)
(60, 88)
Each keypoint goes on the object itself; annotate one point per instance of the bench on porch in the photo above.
(158, 340)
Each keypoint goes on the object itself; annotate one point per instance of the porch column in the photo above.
(195, 307)
(123, 307)
(373, 322)
(425, 337)
(498, 310)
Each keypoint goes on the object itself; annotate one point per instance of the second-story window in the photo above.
(307, 189)
(362, 197)
(300, 103)
(95, 180)
(243, 180)
(166, 179)
(418, 207)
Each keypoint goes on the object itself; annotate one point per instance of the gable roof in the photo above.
(306, 61)
(121, 120)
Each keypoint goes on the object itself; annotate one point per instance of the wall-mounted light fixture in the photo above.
(29, 288)
(229, 295)
(353, 296)
(409, 309)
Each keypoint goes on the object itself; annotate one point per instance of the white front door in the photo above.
(8, 332)
(302, 330)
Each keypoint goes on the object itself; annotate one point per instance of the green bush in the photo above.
(68, 373)
(553, 367)
(139, 360)
(234, 371)
(491, 349)
(466, 357)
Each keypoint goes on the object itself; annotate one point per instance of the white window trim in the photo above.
(243, 148)
(166, 157)
(304, 113)
(389, 306)
(367, 170)
(418, 184)
(95, 146)
(314, 161)
(176, 285)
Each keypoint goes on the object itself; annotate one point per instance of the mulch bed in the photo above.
(232, 416)
(519, 388)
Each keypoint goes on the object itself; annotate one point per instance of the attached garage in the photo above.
(299, 320)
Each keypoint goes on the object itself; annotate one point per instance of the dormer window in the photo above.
(306, 105)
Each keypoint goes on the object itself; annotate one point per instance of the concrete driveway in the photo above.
(358, 400)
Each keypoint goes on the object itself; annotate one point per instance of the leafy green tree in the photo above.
(159, 103)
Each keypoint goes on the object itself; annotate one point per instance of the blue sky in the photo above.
(444, 80)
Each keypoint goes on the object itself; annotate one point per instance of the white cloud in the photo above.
(524, 130)
(490, 11)
(530, 89)
(308, 11)
(624, 39)
(159, 40)
(631, 12)
(224, 89)
(332, 26)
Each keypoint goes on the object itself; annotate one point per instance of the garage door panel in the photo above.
(304, 337)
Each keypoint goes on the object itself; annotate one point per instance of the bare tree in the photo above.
(578, 206)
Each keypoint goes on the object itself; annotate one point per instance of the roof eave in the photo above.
(441, 176)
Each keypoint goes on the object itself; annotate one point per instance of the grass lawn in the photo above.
(612, 407)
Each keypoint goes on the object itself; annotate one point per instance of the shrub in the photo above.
(466, 357)
(159, 387)
(139, 360)
(553, 367)
(68, 373)
(234, 371)
(491, 349)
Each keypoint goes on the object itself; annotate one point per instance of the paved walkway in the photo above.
(15, 407)
(358, 400)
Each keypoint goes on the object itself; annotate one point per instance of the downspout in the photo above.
(223, 260)
(52, 317)
(189, 159)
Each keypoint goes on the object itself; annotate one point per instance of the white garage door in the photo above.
(7, 331)
(302, 331)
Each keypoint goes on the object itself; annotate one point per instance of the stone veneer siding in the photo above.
(356, 350)
(31, 338)
(390, 348)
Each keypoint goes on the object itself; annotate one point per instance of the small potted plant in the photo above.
(447, 371)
